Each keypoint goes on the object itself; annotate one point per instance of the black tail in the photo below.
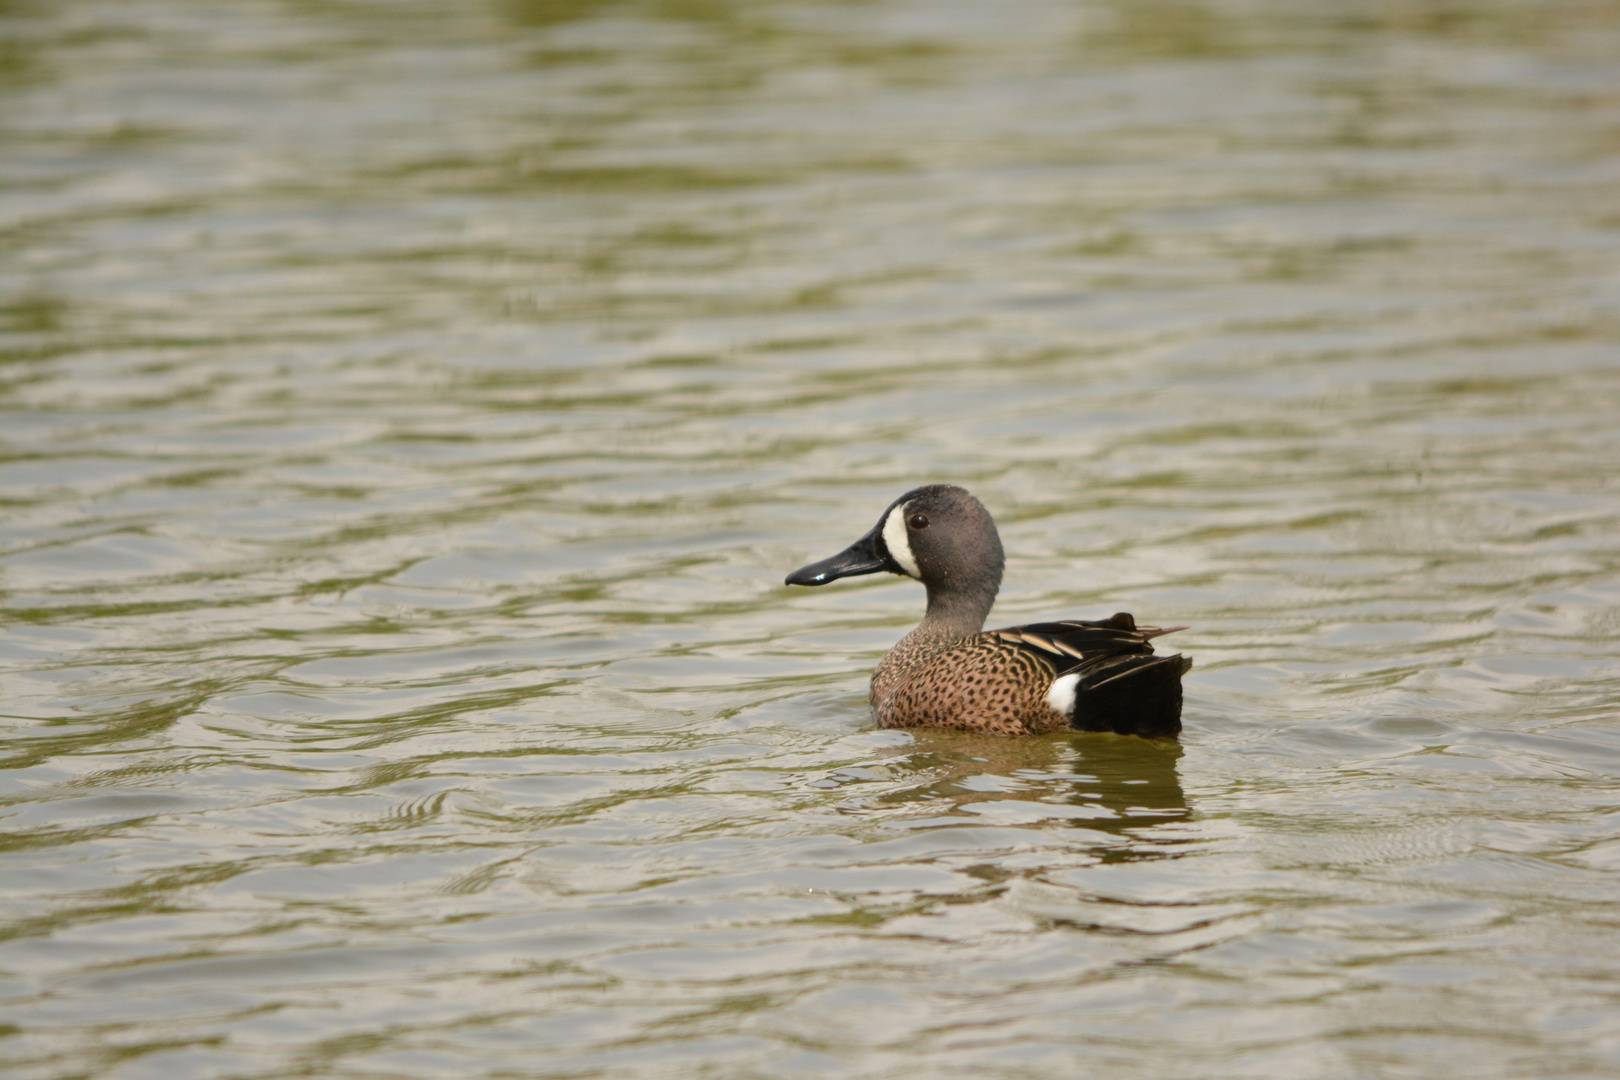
(1132, 695)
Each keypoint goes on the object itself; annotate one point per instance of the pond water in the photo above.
(409, 411)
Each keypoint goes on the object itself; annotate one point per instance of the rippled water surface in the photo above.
(408, 413)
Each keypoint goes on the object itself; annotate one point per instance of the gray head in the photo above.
(940, 535)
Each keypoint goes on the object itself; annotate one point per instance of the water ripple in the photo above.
(408, 417)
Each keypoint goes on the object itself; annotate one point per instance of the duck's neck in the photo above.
(955, 613)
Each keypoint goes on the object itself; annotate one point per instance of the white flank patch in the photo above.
(894, 536)
(1061, 696)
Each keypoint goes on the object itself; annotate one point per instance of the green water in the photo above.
(408, 413)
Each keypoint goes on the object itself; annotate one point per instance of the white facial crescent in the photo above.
(899, 545)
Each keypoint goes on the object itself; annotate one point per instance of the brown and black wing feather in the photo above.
(1123, 687)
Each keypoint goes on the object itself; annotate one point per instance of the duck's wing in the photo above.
(1084, 644)
(1107, 678)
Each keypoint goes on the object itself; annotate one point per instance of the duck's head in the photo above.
(939, 534)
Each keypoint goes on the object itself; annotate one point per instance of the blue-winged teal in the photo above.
(1025, 680)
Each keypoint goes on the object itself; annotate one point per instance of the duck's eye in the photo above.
(918, 521)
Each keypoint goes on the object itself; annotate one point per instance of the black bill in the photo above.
(868, 555)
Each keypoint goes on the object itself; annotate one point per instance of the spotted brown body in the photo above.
(1023, 680)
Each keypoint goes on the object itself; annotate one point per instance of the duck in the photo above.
(1096, 675)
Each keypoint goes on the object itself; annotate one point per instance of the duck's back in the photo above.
(1027, 680)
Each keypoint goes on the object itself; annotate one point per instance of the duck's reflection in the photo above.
(1115, 784)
